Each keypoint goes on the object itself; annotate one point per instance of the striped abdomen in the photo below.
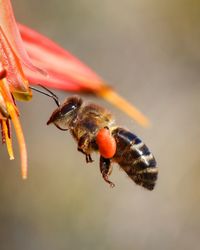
(135, 159)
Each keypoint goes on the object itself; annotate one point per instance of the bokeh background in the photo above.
(149, 50)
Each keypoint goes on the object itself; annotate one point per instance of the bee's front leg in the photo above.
(106, 169)
(83, 147)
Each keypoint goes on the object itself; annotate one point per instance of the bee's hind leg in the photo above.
(106, 170)
(83, 146)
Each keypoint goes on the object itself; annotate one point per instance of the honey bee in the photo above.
(93, 127)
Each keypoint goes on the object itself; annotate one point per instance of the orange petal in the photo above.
(20, 137)
(5, 95)
(3, 110)
(8, 140)
(111, 96)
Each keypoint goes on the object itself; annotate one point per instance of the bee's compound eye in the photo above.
(67, 108)
(71, 104)
(106, 143)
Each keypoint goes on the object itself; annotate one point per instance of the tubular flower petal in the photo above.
(66, 72)
(3, 110)
(8, 140)
(11, 113)
(20, 137)
(13, 82)
(15, 77)
(8, 24)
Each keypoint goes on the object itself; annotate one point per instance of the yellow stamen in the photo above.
(20, 137)
(114, 98)
(8, 140)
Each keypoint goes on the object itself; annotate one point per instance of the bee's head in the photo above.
(65, 114)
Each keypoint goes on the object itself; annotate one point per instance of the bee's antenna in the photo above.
(52, 95)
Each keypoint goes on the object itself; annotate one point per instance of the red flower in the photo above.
(66, 72)
(59, 69)
(13, 82)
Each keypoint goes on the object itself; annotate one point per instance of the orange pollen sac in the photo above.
(106, 143)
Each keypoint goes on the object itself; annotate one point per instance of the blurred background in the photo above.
(150, 52)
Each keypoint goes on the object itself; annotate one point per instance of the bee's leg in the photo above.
(106, 169)
(89, 158)
(83, 146)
